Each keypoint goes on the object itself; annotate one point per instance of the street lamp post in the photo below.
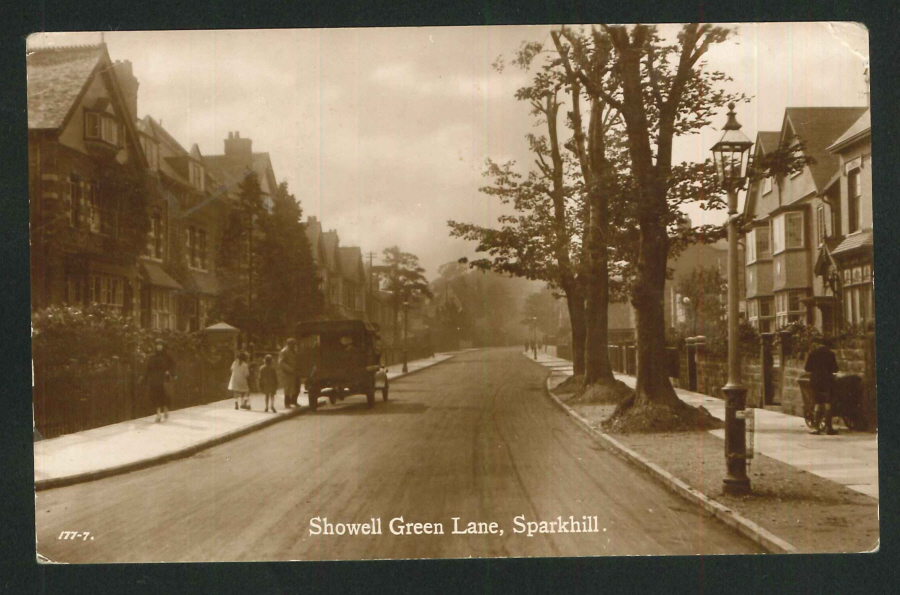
(405, 334)
(731, 154)
(534, 335)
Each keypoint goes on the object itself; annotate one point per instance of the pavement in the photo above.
(138, 443)
(848, 458)
(455, 465)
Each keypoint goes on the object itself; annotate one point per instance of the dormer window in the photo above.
(197, 176)
(101, 126)
(151, 151)
(767, 185)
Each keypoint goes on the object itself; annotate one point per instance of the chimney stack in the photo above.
(238, 147)
(124, 72)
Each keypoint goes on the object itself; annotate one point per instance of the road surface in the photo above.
(473, 439)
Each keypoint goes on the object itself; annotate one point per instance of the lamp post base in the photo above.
(736, 480)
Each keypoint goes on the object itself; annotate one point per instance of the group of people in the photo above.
(286, 373)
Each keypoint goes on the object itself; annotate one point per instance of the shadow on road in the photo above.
(393, 407)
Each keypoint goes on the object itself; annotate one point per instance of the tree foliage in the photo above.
(403, 278)
(662, 90)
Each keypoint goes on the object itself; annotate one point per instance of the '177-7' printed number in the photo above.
(72, 535)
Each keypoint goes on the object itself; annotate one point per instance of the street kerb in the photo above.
(746, 527)
(59, 482)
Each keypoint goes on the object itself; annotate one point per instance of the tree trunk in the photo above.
(575, 303)
(653, 384)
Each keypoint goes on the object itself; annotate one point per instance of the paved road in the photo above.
(473, 438)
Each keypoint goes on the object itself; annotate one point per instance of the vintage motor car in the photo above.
(343, 358)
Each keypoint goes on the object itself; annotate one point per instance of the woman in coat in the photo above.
(240, 381)
(160, 369)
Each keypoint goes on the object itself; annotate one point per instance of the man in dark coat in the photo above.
(289, 373)
(822, 365)
(160, 369)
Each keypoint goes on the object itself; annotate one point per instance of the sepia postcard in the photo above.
(452, 292)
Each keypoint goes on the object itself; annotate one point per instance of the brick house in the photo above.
(186, 221)
(796, 221)
(849, 266)
(81, 132)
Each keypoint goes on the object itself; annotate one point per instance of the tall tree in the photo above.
(287, 277)
(661, 90)
(544, 241)
(599, 184)
(404, 279)
(237, 258)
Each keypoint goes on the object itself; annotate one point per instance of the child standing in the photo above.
(239, 384)
(268, 382)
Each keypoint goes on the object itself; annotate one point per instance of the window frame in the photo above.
(854, 200)
(108, 128)
(821, 229)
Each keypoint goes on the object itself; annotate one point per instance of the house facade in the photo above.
(850, 265)
(85, 182)
(123, 216)
(796, 221)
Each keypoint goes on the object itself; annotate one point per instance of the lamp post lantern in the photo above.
(405, 334)
(731, 154)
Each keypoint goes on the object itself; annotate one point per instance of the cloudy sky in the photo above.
(383, 133)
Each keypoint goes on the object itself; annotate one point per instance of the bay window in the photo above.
(787, 232)
(758, 244)
(789, 307)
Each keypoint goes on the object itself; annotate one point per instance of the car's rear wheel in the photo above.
(370, 396)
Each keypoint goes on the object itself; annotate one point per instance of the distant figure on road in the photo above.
(239, 384)
(289, 373)
(160, 369)
(822, 365)
(268, 382)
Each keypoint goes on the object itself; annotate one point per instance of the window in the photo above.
(853, 195)
(789, 307)
(161, 312)
(760, 314)
(101, 126)
(155, 237)
(201, 249)
(787, 232)
(104, 290)
(767, 185)
(195, 239)
(151, 150)
(758, 244)
(751, 246)
(196, 174)
(92, 207)
(820, 224)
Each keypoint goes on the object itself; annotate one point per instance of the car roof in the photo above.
(325, 327)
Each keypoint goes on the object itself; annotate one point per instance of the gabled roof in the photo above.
(236, 169)
(56, 79)
(819, 127)
(858, 131)
(767, 140)
(351, 263)
(59, 77)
